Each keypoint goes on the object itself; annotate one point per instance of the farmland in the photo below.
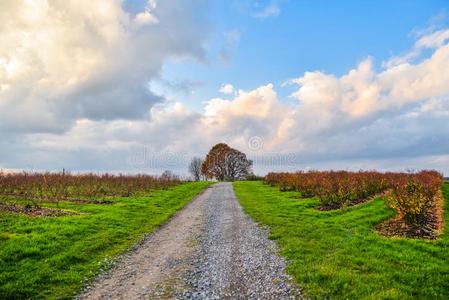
(52, 256)
(253, 149)
(36, 188)
(416, 197)
(362, 235)
(340, 254)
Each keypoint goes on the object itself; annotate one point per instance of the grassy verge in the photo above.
(338, 255)
(49, 257)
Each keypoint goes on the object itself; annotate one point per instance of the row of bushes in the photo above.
(38, 187)
(333, 188)
(416, 197)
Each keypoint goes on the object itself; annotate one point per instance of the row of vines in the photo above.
(416, 197)
(54, 187)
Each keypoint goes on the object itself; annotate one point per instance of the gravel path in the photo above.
(209, 250)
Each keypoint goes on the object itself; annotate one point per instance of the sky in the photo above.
(143, 86)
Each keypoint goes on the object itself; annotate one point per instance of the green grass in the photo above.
(50, 257)
(338, 255)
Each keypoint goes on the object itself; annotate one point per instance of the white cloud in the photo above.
(398, 112)
(231, 40)
(147, 16)
(433, 40)
(263, 11)
(227, 89)
(428, 40)
(259, 9)
(65, 60)
(82, 100)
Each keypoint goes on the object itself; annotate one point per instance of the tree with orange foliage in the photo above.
(225, 163)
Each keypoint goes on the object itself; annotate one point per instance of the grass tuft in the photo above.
(339, 255)
(51, 257)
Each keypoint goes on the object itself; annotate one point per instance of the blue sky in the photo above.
(145, 85)
(330, 36)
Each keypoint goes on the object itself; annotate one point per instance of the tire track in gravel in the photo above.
(209, 250)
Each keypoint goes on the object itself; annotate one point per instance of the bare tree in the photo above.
(195, 168)
(237, 165)
(169, 175)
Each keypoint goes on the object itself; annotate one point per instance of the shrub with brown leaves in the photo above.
(53, 187)
(416, 197)
(333, 188)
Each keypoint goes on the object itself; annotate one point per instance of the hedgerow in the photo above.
(416, 197)
(333, 188)
(54, 187)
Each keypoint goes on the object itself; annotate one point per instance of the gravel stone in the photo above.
(236, 259)
(209, 250)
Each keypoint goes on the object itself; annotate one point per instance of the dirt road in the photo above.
(209, 250)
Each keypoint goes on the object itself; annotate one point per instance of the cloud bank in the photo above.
(74, 93)
(61, 61)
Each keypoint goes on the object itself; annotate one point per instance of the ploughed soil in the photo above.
(333, 206)
(34, 211)
(429, 227)
(51, 199)
(82, 201)
(398, 227)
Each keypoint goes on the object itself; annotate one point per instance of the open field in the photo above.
(235, 150)
(338, 254)
(415, 197)
(34, 187)
(50, 257)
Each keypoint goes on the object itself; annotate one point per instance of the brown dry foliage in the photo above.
(416, 197)
(53, 187)
(225, 163)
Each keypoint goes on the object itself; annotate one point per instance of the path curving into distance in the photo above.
(209, 250)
